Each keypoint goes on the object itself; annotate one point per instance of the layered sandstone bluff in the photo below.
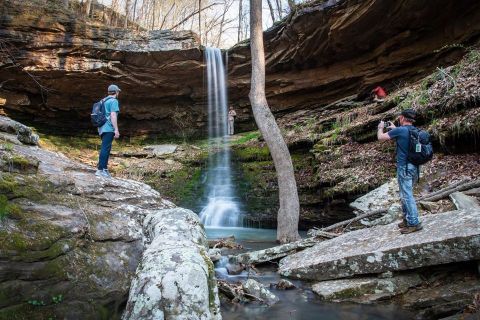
(71, 243)
(54, 66)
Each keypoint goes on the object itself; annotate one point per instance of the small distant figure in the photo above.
(231, 120)
(109, 130)
(379, 94)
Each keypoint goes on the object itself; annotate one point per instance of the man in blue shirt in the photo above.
(109, 130)
(407, 173)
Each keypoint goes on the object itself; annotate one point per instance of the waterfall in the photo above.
(221, 208)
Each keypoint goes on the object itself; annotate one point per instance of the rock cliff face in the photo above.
(54, 66)
(70, 242)
(329, 50)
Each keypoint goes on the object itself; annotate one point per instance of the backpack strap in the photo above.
(103, 102)
(410, 129)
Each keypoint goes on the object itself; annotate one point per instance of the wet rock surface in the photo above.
(365, 290)
(447, 237)
(258, 290)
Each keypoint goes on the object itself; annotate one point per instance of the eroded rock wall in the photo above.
(54, 66)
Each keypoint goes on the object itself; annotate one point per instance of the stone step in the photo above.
(446, 237)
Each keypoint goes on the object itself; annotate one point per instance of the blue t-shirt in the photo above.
(111, 105)
(401, 136)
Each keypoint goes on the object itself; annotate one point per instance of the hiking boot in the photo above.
(103, 173)
(409, 229)
(402, 224)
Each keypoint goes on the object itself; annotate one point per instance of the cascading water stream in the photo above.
(221, 209)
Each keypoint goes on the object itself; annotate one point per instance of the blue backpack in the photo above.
(420, 149)
(98, 115)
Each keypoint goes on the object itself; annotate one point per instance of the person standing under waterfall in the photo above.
(407, 173)
(231, 120)
(109, 130)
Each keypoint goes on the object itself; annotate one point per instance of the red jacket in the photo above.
(380, 92)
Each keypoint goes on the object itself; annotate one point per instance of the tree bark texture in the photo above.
(288, 214)
(240, 15)
(272, 13)
(127, 12)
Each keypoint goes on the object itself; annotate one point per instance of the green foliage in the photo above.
(7, 146)
(57, 299)
(245, 154)
(36, 303)
(249, 136)
(4, 207)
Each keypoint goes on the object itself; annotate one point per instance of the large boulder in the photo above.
(176, 279)
(446, 237)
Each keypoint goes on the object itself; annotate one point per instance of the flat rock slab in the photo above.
(162, 149)
(446, 237)
(365, 290)
(464, 202)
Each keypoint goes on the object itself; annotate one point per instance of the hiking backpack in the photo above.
(98, 115)
(420, 149)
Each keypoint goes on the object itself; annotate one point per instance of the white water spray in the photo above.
(221, 209)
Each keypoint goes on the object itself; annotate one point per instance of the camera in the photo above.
(386, 123)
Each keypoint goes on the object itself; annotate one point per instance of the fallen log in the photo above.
(315, 232)
(453, 186)
(278, 252)
(447, 191)
(357, 218)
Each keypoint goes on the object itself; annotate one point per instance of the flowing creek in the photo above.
(297, 304)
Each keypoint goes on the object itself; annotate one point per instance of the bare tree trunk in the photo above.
(288, 214)
(225, 9)
(87, 6)
(165, 17)
(272, 13)
(127, 12)
(279, 9)
(134, 11)
(153, 14)
(292, 5)
(240, 16)
(200, 20)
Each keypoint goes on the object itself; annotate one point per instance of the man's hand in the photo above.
(117, 134)
(380, 134)
(391, 125)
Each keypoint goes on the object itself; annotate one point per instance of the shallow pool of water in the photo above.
(298, 304)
